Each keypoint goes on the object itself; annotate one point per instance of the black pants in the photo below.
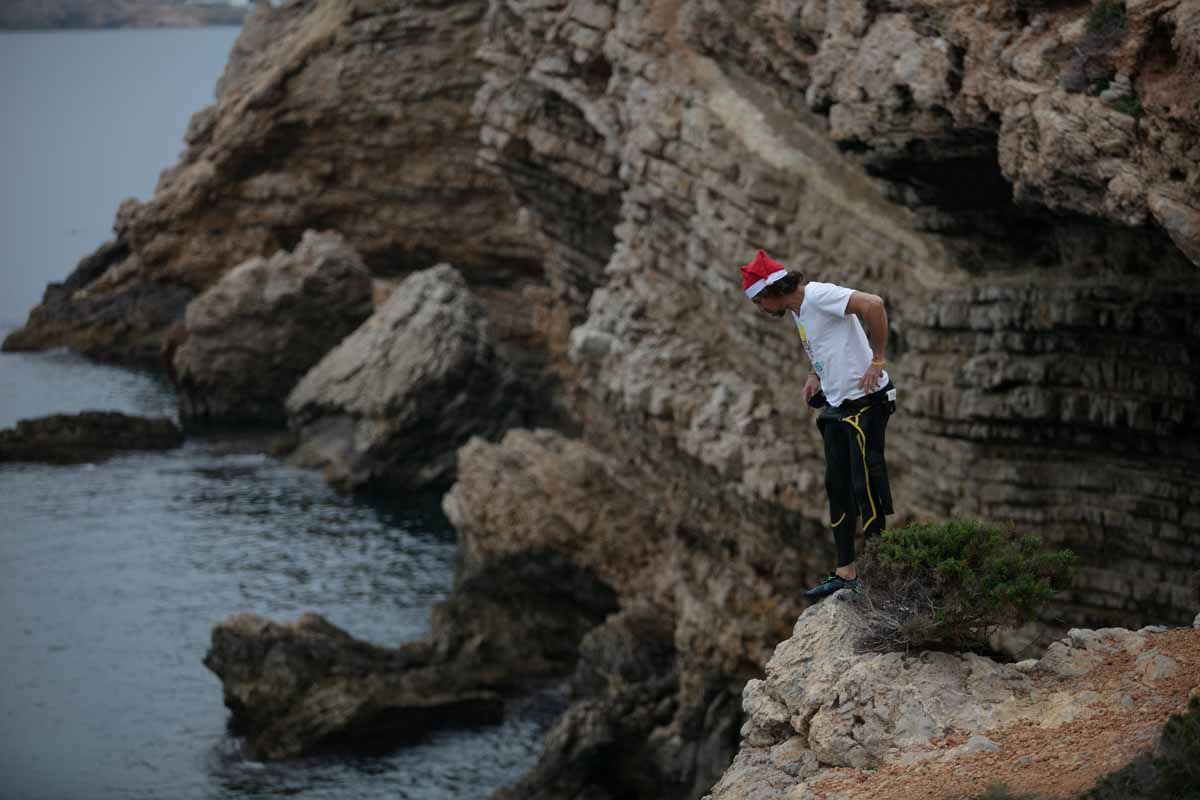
(856, 479)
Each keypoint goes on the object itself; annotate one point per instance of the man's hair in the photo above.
(784, 286)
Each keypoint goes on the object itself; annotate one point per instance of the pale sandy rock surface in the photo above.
(251, 337)
(826, 721)
(390, 405)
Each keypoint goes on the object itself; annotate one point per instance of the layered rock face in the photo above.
(655, 714)
(347, 115)
(390, 405)
(249, 339)
(1040, 310)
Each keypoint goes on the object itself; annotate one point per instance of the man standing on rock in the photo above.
(848, 383)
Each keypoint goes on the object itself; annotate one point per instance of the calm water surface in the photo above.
(112, 575)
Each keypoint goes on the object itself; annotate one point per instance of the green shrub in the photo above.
(1129, 105)
(951, 584)
(1172, 771)
(1091, 65)
(1178, 759)
(1107, 17)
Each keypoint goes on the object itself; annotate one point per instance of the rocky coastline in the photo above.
(491, 247)
(108, 14)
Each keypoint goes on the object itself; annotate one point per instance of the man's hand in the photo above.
(870, 378)
(811, 386)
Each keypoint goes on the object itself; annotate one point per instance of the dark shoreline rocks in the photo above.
(306, 687)
(294, 689)
(85, 437)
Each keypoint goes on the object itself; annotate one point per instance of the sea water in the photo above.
(113, 574)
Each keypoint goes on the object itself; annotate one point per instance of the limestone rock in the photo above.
(549, 496)
(392, 403)
(299, 687)
(539, 491)
(253, 335)
(84, 437)
(822, 704)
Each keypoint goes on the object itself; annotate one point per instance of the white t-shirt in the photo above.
(835, 342)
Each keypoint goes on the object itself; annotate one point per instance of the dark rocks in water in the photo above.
(250, 338)
(309, 686)
(87, 436)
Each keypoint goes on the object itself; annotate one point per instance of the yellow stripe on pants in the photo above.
(862, 446)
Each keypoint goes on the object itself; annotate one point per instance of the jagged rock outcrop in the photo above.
(294, 688)
(351, 115)
(714, 611)
(392, 403)
(625, 685)
(299, 688)
(86, 436)
(824, 708)
(251, 337)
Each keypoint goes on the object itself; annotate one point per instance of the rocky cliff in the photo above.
(1018, 179)
(830, 722)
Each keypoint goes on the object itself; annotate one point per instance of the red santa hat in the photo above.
(760, 273)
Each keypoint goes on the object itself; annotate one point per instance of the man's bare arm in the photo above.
(870, 308)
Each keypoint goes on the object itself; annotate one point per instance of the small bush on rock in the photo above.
(1172, 771)
(1090, 66)
(949, 585)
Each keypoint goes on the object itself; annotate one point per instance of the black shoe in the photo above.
(829, 586)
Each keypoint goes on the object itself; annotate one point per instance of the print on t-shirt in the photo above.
(817, 365)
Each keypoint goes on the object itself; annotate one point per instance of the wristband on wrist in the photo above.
(877, 362)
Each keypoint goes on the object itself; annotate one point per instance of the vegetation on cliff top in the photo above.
(949, 585)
